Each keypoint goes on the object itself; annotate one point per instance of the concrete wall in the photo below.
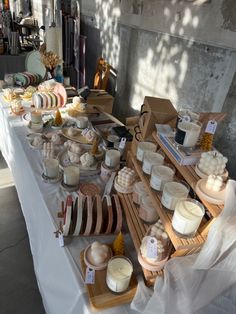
(182, 50)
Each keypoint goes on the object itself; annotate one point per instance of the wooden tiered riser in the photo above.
(137, 230)
(180, 244)
(189, 174)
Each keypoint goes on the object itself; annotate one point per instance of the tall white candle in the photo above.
(172, 193)
(71, 175)
(151, 159)
(119, 272)
(112, 158)
(187, 217)
(161, 175)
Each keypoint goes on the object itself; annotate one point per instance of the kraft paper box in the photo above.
(156, 110)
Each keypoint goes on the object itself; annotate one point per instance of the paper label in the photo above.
(90, 276)
(211, 127)
(152, 248)
(122, 143)
(61, 239)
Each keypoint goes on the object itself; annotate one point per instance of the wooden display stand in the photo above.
(100, 297)
(182, 246)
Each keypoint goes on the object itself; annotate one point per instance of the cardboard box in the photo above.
(102, 99)
(156, 110)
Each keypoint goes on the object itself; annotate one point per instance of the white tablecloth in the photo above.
(57, 269)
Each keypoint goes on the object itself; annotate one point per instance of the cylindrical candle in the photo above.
(151, 159)
(147, 211)
(36, 117)
(112, 158)
(119, 272)
(139, 191)
(161, 175)
(187, 133)
(51, 168)
(71, 175)
(174, 192)
(187, 217)
(144, 147)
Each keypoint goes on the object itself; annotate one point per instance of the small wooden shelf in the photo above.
(185, 245)
(189, 174)
(137, 230)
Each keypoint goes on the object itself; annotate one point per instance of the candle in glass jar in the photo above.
(151, 159)
(139, 191)
(145, 147)
(119, 272)
(187, 133)
(187, 217)
(147, 211)
(172, 193)
(161, 175)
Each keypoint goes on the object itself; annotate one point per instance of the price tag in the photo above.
(61, 239)
(211, 127)
(152, 247)
(122, 143)
(90, 276)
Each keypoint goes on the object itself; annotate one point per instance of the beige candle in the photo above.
(119, 272)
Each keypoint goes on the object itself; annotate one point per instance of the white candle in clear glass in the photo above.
(187, 217)
(147, 212)
(71, 175)
(119, 272)
(112, 158)
(145, 147)
(151, 159)
(161, 175)
(51, 168)
(172, 193)
(192, 131)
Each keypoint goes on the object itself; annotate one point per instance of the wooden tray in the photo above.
(76, 138)
(100, 297)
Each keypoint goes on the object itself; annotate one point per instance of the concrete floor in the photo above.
(19, 292)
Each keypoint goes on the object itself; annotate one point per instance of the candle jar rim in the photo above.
(195, 122)
(146, 143)
(122, 257)
(167, 165)
(179, 181)
(192, 200)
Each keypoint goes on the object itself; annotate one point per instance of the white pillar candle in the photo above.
(36, 117)
(187, 217)
(112, 158)
(161, 175)
(188, 133)
(119, 272)
(172, 193)
(51, 168)
(71, 175)
(151, 159)
(144, 147)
